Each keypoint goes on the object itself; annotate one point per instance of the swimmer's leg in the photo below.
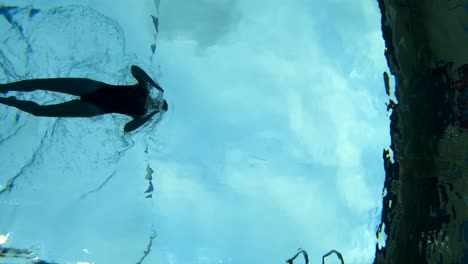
(75, 108)
(73, 86)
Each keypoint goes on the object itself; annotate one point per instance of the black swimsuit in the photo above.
(128, 100)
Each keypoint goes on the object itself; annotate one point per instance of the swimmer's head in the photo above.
(157, 104)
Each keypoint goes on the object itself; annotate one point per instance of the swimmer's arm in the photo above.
(140, 75)
(138, 121)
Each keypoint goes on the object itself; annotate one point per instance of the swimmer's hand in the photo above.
(138, 121)
(141, 76)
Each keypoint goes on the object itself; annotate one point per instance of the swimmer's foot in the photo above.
(7, 100)
(3, 90)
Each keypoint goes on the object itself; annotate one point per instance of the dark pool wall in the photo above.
(425, 209)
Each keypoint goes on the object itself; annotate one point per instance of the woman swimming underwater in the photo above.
(96, 98)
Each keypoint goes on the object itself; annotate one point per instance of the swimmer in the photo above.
(96, 98)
